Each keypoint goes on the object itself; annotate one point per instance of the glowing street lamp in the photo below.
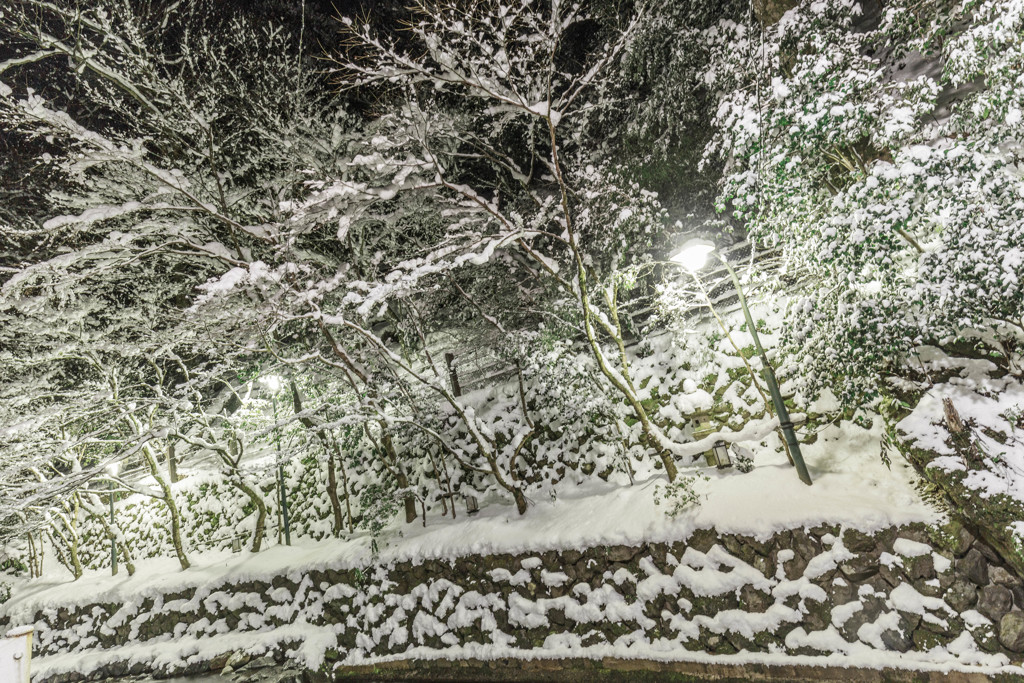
(111, 470)
(274, 383)
(692, 256)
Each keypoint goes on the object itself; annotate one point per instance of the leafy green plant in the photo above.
(13, 565)
(680, 494)
(743, 463)
(1015, 416)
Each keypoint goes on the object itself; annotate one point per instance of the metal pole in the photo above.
(113, 539)
(773, 383)
(280, 478)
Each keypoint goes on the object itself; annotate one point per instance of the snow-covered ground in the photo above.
(852, 487)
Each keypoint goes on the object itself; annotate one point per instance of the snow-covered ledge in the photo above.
(910, 596)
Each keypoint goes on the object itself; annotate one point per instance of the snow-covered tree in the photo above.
(165, 155)
(486, 133)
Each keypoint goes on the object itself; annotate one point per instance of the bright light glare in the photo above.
(273, 382)
(112, 468)
(693, 255)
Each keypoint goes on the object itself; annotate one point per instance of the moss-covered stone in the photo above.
(992, 516)
(925, 640)
(1011, 631)
(700, 539)
(858, 541)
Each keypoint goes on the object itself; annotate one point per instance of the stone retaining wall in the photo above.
(807, 592)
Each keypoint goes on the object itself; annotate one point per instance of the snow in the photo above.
(974, 618)
(871, 633)
(906, 598)
(850, 488)
(98, 213)
(312, 642)
(842, 613)
(909, 548)
(986, 403)
(544, 109)
(553, 579)
(827, 561)
(557, 524)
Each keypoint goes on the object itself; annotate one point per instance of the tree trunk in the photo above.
(69, 543)
(332, 493)
(36, 555)
(76, 560)
(111, 532)
(667, 460)
(58, 554)
(179, 548)
(621, 383)
(70, 561)
(453, 374)
(129, 563)
(277, 506)
(348, 501)
(172, 508)
(331, 448)
(400, 476)
(447, 495)
(172, 462)
(520, 499)
(31, 557)
(261, 509)
(410, 502)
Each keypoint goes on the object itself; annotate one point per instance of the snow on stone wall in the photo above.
(906, 596)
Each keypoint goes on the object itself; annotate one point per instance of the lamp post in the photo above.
(692, 256)
(273, 383)
(112, 469)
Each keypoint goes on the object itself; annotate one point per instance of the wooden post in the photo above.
(961, 434)
(449, 360)
(953, 421)
(172, 462)
(16, 655)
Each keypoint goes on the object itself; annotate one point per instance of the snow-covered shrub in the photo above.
(214, 512)
(903, 223)
(378, 506)
(743, 463)
(681, 494)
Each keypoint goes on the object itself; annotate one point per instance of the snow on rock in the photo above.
(909, 548)
(906, 599)
(666, 596)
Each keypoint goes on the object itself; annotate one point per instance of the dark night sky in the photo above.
(321, 15)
